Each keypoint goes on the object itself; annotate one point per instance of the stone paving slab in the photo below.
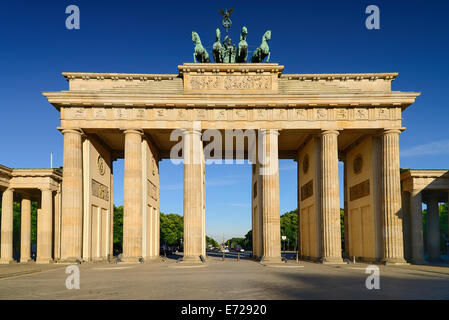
(229, 279)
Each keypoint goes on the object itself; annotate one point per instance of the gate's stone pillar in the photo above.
(6, 252)
(25, 229)
(193, 196)
(393, 247)
(256, 212)
(57, 226)
(44, 228)
(132, 209)
(417, 245)
(433, 235)
(330, 198)
(72, 197)
(271, 218)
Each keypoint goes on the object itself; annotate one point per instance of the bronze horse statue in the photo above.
(199, 54)
(217, 48)
(263, 51)
(243, 47)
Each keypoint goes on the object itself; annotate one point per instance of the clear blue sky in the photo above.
(154, 37)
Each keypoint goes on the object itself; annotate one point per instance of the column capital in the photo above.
(138, 131)
(272, 131)
(192, 131)
(46, 189)
(9, 189)
(329, 132)
(391, 131)
(72, 130)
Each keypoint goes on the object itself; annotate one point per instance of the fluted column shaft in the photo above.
(132, 206)
(6, 251)
(270, 203)
(433, 236)
(416, 226)
(72, 197)
(393, 245)
(330, 198)
(45, 228)
(57, 226)
(193, 196)
(25, 230)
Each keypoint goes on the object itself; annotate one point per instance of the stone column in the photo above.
(6, 251)
(433, 236)
(416, 224)
(44, 228)
(57, 226)
(132, 204)
(346, 213)
(269, 178)
(393, 246)
(25, 230)
(330, 199)
(72, 197)
(193, 197)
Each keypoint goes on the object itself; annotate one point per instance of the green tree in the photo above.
(289, 228)
(233, 242)
(249, 240)
(211, 241)
(172, 229)
(118, 227)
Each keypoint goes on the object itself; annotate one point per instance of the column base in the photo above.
(272, 260)
(394, 261)
(191, 259)
(131, 259)
(7, 261)
(332, 260)
(154, 259)
(44, 261)
(26, 260)
(70, 260)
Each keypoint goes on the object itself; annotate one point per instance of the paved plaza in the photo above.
(217, 279)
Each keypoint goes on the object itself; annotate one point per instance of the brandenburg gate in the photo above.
(315, 119)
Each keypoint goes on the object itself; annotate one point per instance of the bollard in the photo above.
(238, 256)
(223, 257)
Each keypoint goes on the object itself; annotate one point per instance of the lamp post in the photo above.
(283, 239)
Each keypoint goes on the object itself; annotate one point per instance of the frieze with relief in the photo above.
(359, 191)
(99, 190)
(257, 113)
(230, 83)
(307, 190)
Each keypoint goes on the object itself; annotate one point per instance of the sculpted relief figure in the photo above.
(263, 51)
(199, 54)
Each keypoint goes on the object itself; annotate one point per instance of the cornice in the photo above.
(118, 76)
(329, 100)
(389, 76)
